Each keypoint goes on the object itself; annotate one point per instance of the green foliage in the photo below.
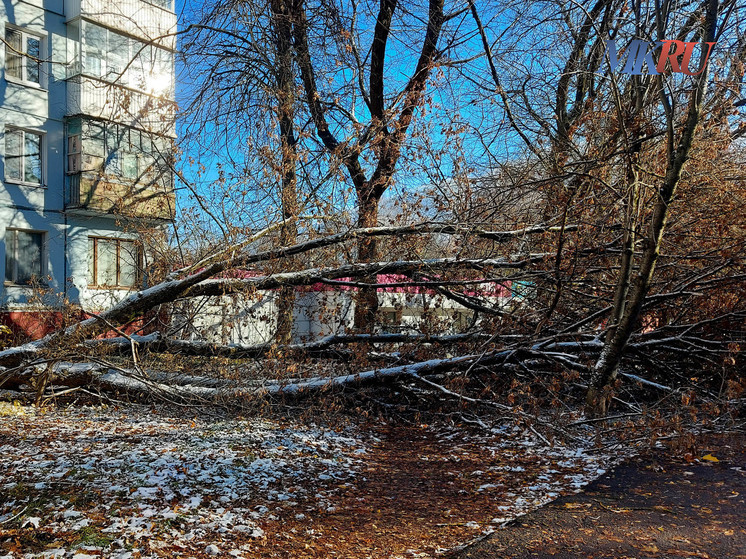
(91, 535)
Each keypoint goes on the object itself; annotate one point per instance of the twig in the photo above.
(607, 418)
(502, 407)
(647, 382)
(54, 394)
(475, 421)
(14, 517)
(542, 437)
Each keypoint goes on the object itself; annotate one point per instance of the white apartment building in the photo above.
(86, 135)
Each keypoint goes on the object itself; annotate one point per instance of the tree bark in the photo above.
(366, 301)
(281, 18)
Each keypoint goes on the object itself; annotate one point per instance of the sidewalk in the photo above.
(651, 506)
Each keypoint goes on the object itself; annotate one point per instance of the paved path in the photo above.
(651, 506)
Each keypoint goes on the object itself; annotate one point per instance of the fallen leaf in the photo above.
(577, 505)
(710, 458)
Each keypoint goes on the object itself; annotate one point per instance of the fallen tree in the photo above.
(76, 357)
(93, 370)
(199, 280)
(618, 233)
(158, 343)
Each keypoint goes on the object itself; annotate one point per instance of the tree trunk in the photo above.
(366, 302)
(606, 368)
(289, 196)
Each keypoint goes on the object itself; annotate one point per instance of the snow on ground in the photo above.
(124, 483)
(153, 477)
(527, 473)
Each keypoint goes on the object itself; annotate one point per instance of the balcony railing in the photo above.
(99, 194)
(146, 20)
(102, 100)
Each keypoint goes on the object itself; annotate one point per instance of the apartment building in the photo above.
(87, 128)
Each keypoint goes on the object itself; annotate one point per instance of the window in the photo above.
(22, 56)
(23, 256)
(94, 62)
(23, 156)
(119, 59)
(117, 56)
(391, 321)
(123, 152)
(166, 4)
(74, 49)
(73, 153)
(112, 262)
(128, 165)
(95, 139)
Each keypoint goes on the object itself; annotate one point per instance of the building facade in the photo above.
(87, 129)
(322, 310)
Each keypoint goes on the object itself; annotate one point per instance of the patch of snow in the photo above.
(165, 479)
(31, 521)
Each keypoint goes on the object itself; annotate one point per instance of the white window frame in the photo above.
(42, 156)
(160, 4)
(93, 263)
(11, 247)
(24, 58)
(107, 72)
(139, 65)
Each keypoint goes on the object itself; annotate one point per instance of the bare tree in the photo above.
(243, 112)
(617, 152)
(570, 187)
(368, 148)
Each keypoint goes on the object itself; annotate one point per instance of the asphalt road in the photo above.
(660, 504)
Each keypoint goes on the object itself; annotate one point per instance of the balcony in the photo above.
(149, 21)
(100, 194)
(111, 102)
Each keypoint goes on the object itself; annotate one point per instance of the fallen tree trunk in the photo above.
(16, 364)
(199, 284)
(105, 376)
(156, 343)
(229, 257)
(533, 357)
(310, 276)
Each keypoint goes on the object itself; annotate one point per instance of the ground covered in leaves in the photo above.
(133, 482)
(661, 503)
